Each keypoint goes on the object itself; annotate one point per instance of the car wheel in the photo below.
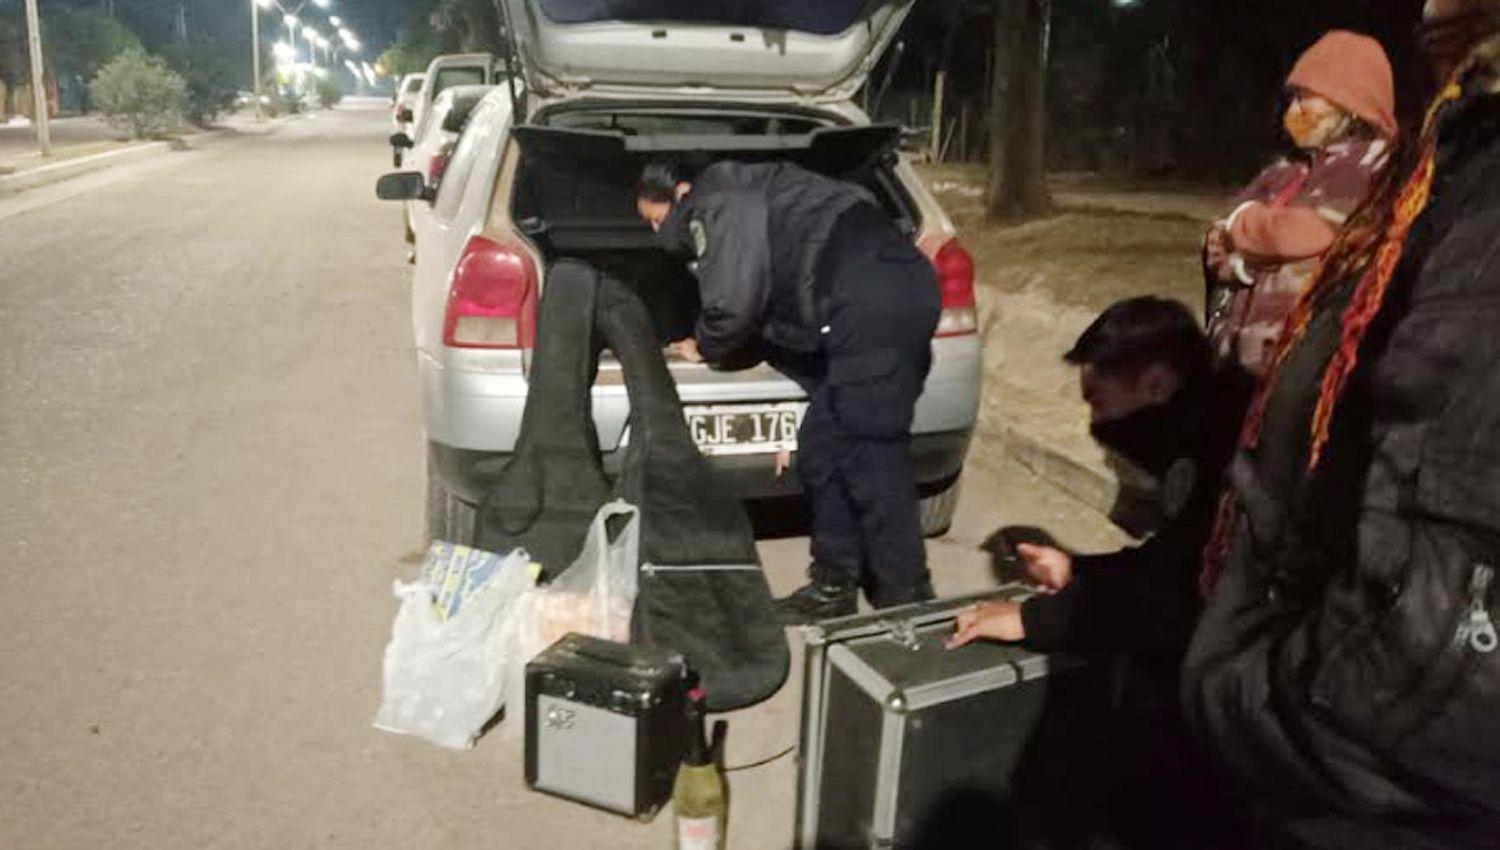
(936, 511)
(448, 517)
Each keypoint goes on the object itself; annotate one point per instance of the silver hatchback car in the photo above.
(596, 99)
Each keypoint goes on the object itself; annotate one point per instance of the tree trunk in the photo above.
(1018, 110)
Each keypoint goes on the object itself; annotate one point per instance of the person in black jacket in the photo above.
(1156, 399)
(1346, 667)
(811, 275)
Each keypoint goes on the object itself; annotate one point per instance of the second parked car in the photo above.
(431, 143)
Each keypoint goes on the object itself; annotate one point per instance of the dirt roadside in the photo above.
(1042, 282)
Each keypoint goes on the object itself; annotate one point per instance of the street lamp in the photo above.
(288, 17)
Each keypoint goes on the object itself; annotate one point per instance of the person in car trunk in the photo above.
(1346, 667)
(1340, 118)
(811, 275)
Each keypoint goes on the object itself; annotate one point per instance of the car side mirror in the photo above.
(401, 140)
(404, 115)
(404, 186)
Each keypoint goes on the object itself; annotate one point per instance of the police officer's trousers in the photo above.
(854, 445)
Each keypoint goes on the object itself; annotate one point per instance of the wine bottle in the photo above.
(698, 803)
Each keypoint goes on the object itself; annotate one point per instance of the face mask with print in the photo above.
(1311, 129)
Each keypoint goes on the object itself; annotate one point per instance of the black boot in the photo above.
(817, 601)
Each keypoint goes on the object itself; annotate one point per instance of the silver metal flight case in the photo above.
(894, 725)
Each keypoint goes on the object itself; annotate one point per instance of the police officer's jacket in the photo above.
(759, 230)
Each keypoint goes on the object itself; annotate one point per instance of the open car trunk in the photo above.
(798, 49)
(573, 191)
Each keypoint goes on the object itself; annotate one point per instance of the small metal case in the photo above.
(893, 723)
(605, 724)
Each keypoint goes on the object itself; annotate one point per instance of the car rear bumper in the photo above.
(937, 458)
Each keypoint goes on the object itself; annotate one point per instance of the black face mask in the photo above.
(1152, 437)
(675, 234)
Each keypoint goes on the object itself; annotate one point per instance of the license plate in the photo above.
(742, 429)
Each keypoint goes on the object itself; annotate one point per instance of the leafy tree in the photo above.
(139, 94)
(212, 79)
(79, 43)
(406, 57)
(13, 68)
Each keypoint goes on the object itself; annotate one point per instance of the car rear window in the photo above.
(412, 85)
(447, 78)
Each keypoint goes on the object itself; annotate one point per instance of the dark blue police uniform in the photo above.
(811, 275)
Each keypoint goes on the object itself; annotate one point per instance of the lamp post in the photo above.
(291, 29)
(38, 79)
(255, 52)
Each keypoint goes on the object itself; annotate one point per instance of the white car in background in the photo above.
(431, 143)
(445, 72)
(547, 173)
(406, 95)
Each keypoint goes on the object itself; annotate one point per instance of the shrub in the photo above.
(139, 94)
(212, 82)
(329, 92)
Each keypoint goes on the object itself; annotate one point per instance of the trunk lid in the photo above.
(775, 49)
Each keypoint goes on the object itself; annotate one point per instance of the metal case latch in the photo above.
(904, 632)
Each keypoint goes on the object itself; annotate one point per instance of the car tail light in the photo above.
(436, 167)
(492, 297)
(955, 276)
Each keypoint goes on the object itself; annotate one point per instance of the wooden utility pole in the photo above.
(1018, 110)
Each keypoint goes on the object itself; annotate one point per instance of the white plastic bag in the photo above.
(444, 679)
(593, 596)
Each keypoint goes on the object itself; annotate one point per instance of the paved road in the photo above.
(211, 454)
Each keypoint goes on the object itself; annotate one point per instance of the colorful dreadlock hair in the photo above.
(1370, 246)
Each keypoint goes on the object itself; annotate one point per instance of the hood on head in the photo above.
(1352, 71)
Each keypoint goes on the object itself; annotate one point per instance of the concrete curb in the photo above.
(1131, 506)
(56, 172)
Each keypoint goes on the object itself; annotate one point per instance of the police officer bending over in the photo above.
(811, 275)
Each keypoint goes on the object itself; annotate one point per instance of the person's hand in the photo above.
(1048, 566)
(687, 349)
(988, 620)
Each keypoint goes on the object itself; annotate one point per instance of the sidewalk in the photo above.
(86, 143)
(1041, 283)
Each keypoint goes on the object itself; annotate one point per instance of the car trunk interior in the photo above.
(573, 190)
